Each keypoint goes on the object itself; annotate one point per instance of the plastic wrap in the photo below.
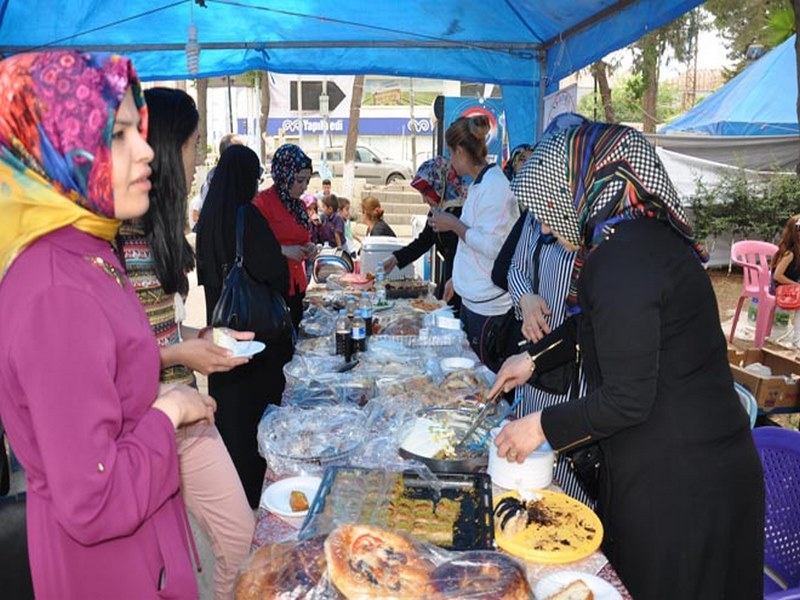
(366, 561)
(295, 440)
(309, 395)
(318, 321)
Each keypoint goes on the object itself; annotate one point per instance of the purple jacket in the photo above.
(79, 370)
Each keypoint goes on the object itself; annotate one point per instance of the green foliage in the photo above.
(626, 97)
(745, 206)
(780, 24)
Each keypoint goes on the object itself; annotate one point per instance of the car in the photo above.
(369, 164)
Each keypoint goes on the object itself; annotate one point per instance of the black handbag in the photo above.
(249, 305)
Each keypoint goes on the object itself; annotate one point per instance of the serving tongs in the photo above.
(491, 402)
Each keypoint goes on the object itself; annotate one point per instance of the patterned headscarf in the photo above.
(435, 174)
(287, 162)
(516, 155)
(56, 119)
(581, 181)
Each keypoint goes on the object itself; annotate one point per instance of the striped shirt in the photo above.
(555, 270)
(158, 306)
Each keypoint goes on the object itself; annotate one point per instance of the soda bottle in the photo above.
(365, 309)
(343, 335)
(358, 333)
(380, 285)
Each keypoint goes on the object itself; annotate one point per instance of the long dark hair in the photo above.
(790, 242)
(173, 119)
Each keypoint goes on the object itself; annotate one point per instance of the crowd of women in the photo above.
(102, 407)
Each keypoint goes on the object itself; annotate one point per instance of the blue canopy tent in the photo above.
(526, 46)
(761, 100)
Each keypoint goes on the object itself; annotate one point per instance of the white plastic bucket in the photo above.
(536, 472)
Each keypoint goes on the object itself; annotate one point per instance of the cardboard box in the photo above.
(770, 391)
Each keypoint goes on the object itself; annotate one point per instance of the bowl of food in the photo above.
(432, 438)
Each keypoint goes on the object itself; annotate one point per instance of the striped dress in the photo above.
(159, 306)
(555, 269)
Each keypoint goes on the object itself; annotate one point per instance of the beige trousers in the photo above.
(215, 497)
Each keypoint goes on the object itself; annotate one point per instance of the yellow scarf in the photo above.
(30, 207)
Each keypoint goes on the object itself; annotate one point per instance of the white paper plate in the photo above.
(247, 348)
(555, 582)
(276, 497)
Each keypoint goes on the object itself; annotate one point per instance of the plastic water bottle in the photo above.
(350, 306)
(380, 285)
(343, 341)
(365, 310)
(358, 333)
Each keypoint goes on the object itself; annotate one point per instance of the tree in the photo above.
(677, 36)
(264, 115)
(626, 100)
(202, 110)
(600, 71)
(349, 170)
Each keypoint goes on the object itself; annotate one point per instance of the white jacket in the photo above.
(489, 212)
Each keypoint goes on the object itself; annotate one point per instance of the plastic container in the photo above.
(535, 473)
(375, 249)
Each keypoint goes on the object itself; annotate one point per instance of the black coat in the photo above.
(445, 243)
(681, 495)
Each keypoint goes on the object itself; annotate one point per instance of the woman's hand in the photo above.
(389, 263)
(443, 221)
(185, 405)
(521, 437)
(515, 371)
(449, 290)
(311, 251)
(534, 317)
(294, 252)
(206, 357)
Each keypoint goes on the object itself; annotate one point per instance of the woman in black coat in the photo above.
(441, 189)
(243, 394)
(681, 491)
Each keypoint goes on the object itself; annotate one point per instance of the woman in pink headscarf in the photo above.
(79, 366)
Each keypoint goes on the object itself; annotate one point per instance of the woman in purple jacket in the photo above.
(79, 366)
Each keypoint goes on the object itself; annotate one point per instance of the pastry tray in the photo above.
(357, 495)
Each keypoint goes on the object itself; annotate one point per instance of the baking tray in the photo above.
(473, 529)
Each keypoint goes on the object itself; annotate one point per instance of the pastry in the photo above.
(221, 338)
(577, 590)
(298, 501)
(480, 574)
(365, 561)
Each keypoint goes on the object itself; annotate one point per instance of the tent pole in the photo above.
(542, 91)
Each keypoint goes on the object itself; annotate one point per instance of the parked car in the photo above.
(369, 164)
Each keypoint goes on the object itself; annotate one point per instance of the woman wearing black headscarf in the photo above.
(681, 490)
(246, 391)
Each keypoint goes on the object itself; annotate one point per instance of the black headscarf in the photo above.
(234, 184)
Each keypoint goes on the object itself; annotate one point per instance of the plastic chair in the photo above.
(748, 402)
(754, 258)
(779, 450)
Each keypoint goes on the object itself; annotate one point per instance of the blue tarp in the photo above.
(761, 100)
(523, 45)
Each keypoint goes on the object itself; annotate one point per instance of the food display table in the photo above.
(400, 371)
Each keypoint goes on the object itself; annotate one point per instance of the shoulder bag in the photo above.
(249, 305)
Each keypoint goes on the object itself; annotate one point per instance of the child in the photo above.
(786, 267)
(344, 212)
(333, 230)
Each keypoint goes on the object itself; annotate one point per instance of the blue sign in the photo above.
(491, 108)
(366, 126)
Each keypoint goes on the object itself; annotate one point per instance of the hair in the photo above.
(173, 117)
(371, 206)
(331, 201)
(228, 140)
(343, 202)
(326, 182)
(790, 242)
(469, 133)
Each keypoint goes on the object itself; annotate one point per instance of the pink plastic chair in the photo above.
(754, 258)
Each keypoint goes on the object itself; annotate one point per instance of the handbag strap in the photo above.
(240, 236)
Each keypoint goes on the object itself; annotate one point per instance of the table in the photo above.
(271, 528)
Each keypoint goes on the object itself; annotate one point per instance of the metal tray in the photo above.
(472, 530)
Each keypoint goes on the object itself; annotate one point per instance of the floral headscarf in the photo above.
(435, 174)
(516, 155)
(56, 120)
(287, 162)
(583, 180)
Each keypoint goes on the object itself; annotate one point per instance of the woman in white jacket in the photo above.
(489, 213)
